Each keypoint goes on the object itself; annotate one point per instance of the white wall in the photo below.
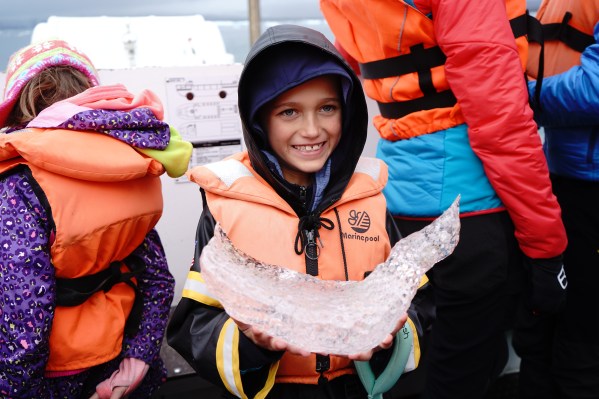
(182, 201)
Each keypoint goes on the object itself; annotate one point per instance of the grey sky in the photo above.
(25, 12)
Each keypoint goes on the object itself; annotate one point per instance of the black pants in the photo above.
(476, 290)
(560, 353)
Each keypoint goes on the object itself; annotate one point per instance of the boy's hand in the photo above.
(386, 344)
(263, 340)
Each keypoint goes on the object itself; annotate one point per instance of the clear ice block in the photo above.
(326, 316)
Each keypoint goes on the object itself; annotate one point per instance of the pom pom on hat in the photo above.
(31, 60)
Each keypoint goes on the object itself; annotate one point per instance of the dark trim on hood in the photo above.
(278, 41)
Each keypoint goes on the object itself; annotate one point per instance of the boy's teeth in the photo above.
(308, 147)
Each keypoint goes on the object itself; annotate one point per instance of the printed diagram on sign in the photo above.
(204, 111)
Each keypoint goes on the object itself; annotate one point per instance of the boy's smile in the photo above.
(304, 127)
(314, 147)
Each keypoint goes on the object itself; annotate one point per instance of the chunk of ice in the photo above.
(326, 316)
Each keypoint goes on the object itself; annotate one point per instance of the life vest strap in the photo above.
(426, 58)
(534, 32)
(75, 291)
(525, 25)
(398, 110)
(567, 34)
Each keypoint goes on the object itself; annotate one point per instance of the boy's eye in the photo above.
(329, 108)
(287, 112)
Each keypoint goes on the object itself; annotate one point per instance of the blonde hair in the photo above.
(51, 85)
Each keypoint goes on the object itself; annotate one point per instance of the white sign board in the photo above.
(204, 111)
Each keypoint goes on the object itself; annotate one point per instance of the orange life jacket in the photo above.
(568, 30)
(104, 198)
(264, 226)
(402, 64)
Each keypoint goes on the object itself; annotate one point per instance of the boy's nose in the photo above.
(310, 126)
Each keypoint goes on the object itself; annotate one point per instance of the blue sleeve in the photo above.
(27, 289)
(572, 97)
(156, 286)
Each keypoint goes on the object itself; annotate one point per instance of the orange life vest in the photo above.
(104, 198)
(402, 64)
(264, 226)
(568, 29)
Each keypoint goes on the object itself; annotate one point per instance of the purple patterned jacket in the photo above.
(27, 283)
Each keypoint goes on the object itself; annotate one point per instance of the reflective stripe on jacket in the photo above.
(264, 226)
(104, 198)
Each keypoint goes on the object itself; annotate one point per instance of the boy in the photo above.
(305, 122)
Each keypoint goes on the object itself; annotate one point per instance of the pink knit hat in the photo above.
(31, 60)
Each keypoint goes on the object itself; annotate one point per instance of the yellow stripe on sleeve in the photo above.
(227, 363)
(270, 382)
(227, 359)
(195, 288)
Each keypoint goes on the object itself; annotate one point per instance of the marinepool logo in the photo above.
(359, 221)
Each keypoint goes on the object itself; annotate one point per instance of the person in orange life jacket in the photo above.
(454, 118)
(86, 289)
(560, 353)
(305, 121)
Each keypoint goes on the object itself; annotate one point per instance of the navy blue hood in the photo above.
(284, 68)
(286, 56)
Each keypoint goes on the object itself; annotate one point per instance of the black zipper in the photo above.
(311, 252)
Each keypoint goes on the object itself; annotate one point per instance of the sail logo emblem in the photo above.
(359, 221)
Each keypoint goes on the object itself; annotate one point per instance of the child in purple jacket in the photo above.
(120, 263)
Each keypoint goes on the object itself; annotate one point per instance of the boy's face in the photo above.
(304, 127)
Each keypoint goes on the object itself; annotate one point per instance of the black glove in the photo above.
(548, 284)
